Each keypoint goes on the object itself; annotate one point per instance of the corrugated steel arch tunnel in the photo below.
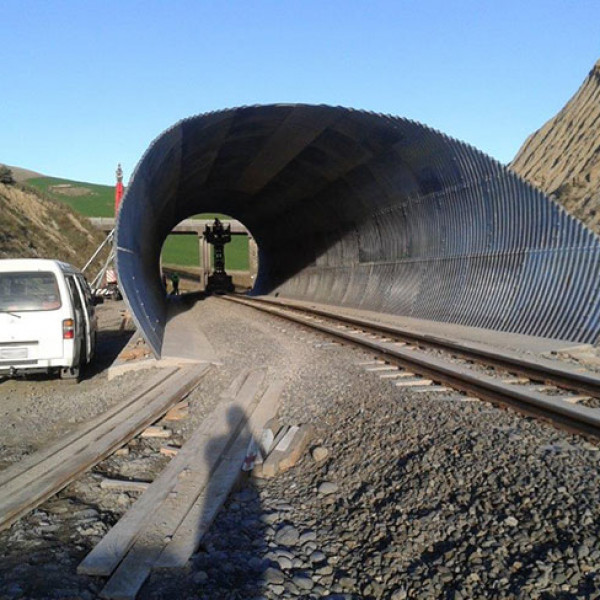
(363, 210)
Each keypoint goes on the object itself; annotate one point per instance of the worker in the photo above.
(175, 284)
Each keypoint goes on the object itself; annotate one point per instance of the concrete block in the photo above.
(297, 447)
(288, 451)
(268, 435)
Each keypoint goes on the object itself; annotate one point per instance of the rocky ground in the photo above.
(418, 496)
(562, 157)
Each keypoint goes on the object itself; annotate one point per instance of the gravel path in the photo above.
(419, 495)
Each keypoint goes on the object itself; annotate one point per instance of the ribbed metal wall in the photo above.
(364, 210)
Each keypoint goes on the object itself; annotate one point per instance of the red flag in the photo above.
(118, 195)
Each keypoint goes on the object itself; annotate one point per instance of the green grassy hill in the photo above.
(92, 200)
(88, 199)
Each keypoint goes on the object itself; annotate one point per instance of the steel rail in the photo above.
(41, 476)
(538, 370)
(27, 464)
(574, 418)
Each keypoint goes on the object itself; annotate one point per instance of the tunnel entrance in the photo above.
(363, 210)
(186, 251)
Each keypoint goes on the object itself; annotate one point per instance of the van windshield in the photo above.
(28, 291)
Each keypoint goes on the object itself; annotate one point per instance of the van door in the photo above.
(89, 314)
(85, 318)
(81, 326)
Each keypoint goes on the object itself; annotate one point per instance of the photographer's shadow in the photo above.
(228, 562)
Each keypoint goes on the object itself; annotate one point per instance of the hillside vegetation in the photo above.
(87, 199)
(93, 200)
(563, 157)
(32, 226)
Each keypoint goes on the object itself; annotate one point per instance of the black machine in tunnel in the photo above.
(363, 210)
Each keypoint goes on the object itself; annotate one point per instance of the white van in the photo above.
(47, 318)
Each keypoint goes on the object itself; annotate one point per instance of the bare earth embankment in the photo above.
(32, 227)
(563, 157)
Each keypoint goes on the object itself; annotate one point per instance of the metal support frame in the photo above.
(96, 282)
(109, 238)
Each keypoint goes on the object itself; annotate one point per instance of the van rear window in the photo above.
(29, 291)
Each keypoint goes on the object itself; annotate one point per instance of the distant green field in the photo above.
(87, 199)
(94, 200)
(236, 253)
(181, 250)
(184, 250)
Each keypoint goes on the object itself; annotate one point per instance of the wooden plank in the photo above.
(83, 442)
(141, 558)
(22, 494)
(169, 450)
(106, 556)
(235, 385)
(178, 412)
(18, 469)
(198, 520)
(39, 483)
(201, 475)
(123, 485)
(156, 431)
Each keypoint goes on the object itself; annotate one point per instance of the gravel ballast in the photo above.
(408, 496)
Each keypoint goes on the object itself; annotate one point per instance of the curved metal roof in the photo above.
(365, 210)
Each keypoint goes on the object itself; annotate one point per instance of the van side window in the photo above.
(86, 289)
(74, 293)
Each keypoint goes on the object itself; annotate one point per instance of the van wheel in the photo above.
(70, 374)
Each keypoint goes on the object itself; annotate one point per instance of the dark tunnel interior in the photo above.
(363, 210)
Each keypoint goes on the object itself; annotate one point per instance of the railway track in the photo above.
(563, 396)
(29, 482)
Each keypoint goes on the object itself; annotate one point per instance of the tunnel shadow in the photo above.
(177, 305)
(228, 562)
(109, 344)
(278, 266)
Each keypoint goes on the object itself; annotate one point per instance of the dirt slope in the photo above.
(563, 157)
(31, 226)
(21, 174)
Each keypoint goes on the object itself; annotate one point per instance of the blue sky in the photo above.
(87, 84)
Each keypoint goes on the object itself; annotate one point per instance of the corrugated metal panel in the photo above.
(366, 210)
